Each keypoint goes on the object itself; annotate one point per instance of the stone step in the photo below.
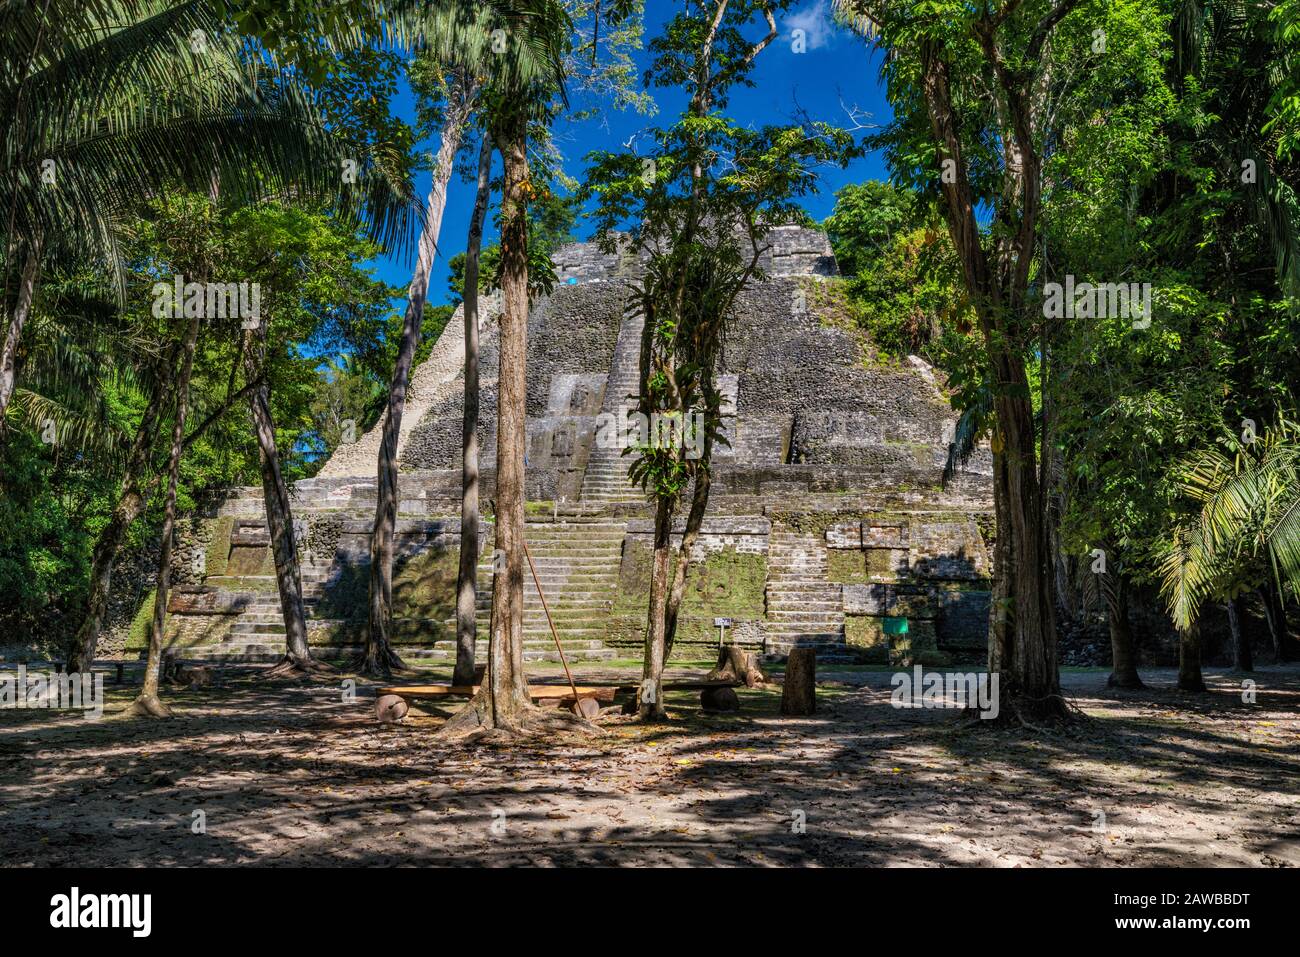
(257, 628)
(804, 637)
(266, 653)
(802, 614)
(823, 608)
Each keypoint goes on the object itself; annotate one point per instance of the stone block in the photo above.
(844, 535)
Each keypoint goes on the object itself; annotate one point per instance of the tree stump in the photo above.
(799, 693)
(719, 699)
(738, 665)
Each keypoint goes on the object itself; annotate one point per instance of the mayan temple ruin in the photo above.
(828, 524)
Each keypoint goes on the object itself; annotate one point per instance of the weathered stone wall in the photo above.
(571, 337)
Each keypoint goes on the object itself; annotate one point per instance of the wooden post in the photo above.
(799, 693)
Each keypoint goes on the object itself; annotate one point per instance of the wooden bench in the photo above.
(561, 694)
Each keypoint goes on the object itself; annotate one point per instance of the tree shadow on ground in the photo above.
(291, 773)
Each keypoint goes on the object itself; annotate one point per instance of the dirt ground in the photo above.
(275, 774)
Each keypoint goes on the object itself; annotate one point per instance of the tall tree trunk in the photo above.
(1123, 654)
(1242, 659)
(130, 504)
(1275, 613)
(14, 331)
(651, 702)
(148, 703)
(279, 514)
(378, 658)
(507, 684)
(503, 701)
(1189, 660)
(1000, 595)
(467, 574)
(690, 535)
(1030, 679)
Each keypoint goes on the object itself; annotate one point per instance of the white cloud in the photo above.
(815, 22)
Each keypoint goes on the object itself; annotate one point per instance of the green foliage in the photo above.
(866, 219)
(698, 208)
(1248, 489)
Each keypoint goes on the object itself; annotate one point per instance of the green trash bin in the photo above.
(895, 626)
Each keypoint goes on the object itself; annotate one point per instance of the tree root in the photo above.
(471, 725)
(1019, 714)
(1129, 684)
(149, 706)
(291, 667)
(381, 664)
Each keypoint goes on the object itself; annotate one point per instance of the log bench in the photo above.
(560, 695)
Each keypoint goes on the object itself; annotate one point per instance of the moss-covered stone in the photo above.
(726, 584)
(217, 557)
(137, 636)
(865, 633)
(424, 584)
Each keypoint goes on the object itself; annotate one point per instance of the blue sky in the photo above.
(836, 72)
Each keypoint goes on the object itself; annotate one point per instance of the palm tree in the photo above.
(108, 103)
(105, 102)
(517, 97)
(519, 45)
(467, 569)
(1249, 493)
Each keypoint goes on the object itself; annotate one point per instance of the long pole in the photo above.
(558, 646)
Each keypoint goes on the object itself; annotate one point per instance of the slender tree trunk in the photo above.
(22, 309)
(130, 504)
(378, 658)
(467, 574)
(690, 535)
(279, 513)
(1275, 613)
(503, 701)
(651, 706)
(1000, 597)
(508, 686)
(1242, 659)
(148, 703)
(1189, 660)
(1030, 679)
(1123, 654)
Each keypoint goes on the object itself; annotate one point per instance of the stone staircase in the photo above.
(577, 559)
(804, 610)
(605, 479)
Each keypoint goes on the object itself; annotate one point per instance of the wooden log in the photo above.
(391, 708)
(799, 693)
(737, 665)
(719, 699)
